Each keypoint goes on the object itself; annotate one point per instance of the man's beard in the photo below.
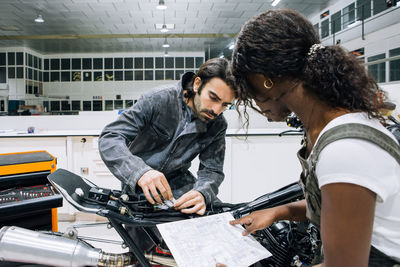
(202, 113)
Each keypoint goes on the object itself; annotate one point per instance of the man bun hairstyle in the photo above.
(212, 68)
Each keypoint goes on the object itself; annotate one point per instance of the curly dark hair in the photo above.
(276, 44)
(213, 68)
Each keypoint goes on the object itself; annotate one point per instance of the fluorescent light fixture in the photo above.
(221, 56)
(165, 44)
(275, 2)
(161, 5)
(39, 19)
(231, 46)
(164, 28)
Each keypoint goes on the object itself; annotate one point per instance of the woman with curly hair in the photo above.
(351, 171)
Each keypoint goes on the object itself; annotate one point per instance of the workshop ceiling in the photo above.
(84, 26)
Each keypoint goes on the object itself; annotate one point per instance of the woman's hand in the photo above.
(257, 220)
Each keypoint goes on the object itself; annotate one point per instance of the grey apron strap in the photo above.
(359, 131)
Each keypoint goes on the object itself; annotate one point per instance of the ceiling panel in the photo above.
(88, 20)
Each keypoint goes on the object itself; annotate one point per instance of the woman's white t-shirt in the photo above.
(363, 163)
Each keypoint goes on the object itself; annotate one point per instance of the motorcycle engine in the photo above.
(291, 244)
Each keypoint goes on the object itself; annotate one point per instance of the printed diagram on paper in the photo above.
(205, 241)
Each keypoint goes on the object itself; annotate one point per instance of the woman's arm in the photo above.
(347, 216)
(258, 220)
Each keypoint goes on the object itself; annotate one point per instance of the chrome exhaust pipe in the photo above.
(27, 246)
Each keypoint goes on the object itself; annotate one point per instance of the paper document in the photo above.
(205, 241)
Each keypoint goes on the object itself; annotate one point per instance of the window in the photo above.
(118, 63)
(189, 62)
(65, 105)
(199, 61)
(316, 28)
(11, 72)
(108, 63)
(20, 72)
(65, 64)
(87, 63)
(379, 6)
(148, 75)
(119, 75)
(336, 22)
(76, 104)
(394, 65)
(378, 71)
(76, 76)
(128, 103)
(108, 105)
(363, 9)
(87, 76)
(98, 76)
(349, 15)
(87, 105)
(169, 75)
(149, 62)
(3, 77)
(55, 76)
(179, 63)
(46, 76)
(138, 75)
(97, 105)
(76, 64)
(169, 62)
(11, 58)
(30, 60)
(128, 63)
(178, 74)
(2, 59)
(46, 64)
(108, 76)
(325, 28)
(128, 75)
(20, 58)
(138, 63)
(159, 62)
(97, 63)
(159, 75)
(54, 63)
(118, 104)
(55, 105)
(65, 76)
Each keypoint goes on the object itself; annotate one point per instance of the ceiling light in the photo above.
(161, 5)
(165, 44)
(275, 2)
(164, 28)
(39, 19)
(231, 46)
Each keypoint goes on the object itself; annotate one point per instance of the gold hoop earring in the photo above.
(268, 83)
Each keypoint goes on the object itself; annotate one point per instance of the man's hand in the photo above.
(154, 182)
(257, 220)
(191, 202)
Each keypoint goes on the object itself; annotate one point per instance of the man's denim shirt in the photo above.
(160, 132)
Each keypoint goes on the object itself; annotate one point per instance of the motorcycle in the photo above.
(291, 243)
